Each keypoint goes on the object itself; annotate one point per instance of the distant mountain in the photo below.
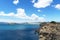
(20, 23)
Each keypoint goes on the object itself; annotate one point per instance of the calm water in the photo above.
(18, 32)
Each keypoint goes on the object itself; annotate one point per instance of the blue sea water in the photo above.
(18, 32)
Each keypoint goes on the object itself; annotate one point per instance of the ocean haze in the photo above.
(14, 26)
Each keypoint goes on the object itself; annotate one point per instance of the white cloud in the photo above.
(3, 14)
(22, 15)
(37, 18)
(33, 1)
(57, 6)
(39, 10)
(42, 3)
(15, 2)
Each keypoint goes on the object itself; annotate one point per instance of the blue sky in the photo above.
(29, 10)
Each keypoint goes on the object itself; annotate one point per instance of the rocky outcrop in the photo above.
(49, 31)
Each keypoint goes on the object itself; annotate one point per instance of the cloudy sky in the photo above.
(29, 10)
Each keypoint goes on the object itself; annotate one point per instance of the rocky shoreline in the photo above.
(49, 31)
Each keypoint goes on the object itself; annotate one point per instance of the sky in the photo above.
(29, 10)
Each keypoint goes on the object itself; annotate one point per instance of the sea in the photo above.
(18, 31)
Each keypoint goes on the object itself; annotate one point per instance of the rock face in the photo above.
(49, 31)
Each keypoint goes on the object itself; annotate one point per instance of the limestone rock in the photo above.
(49, 31)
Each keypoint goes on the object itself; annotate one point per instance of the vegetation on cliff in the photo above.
(53, 22)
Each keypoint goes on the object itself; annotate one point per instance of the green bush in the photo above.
(53, 22)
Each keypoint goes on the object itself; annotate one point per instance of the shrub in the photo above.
(53, 22)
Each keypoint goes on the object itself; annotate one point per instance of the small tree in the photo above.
(53, 22)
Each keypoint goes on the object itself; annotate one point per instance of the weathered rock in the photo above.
(49, 31)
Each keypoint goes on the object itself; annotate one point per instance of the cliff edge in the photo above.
(49, 31)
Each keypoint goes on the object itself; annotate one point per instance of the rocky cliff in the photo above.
(49, 31)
